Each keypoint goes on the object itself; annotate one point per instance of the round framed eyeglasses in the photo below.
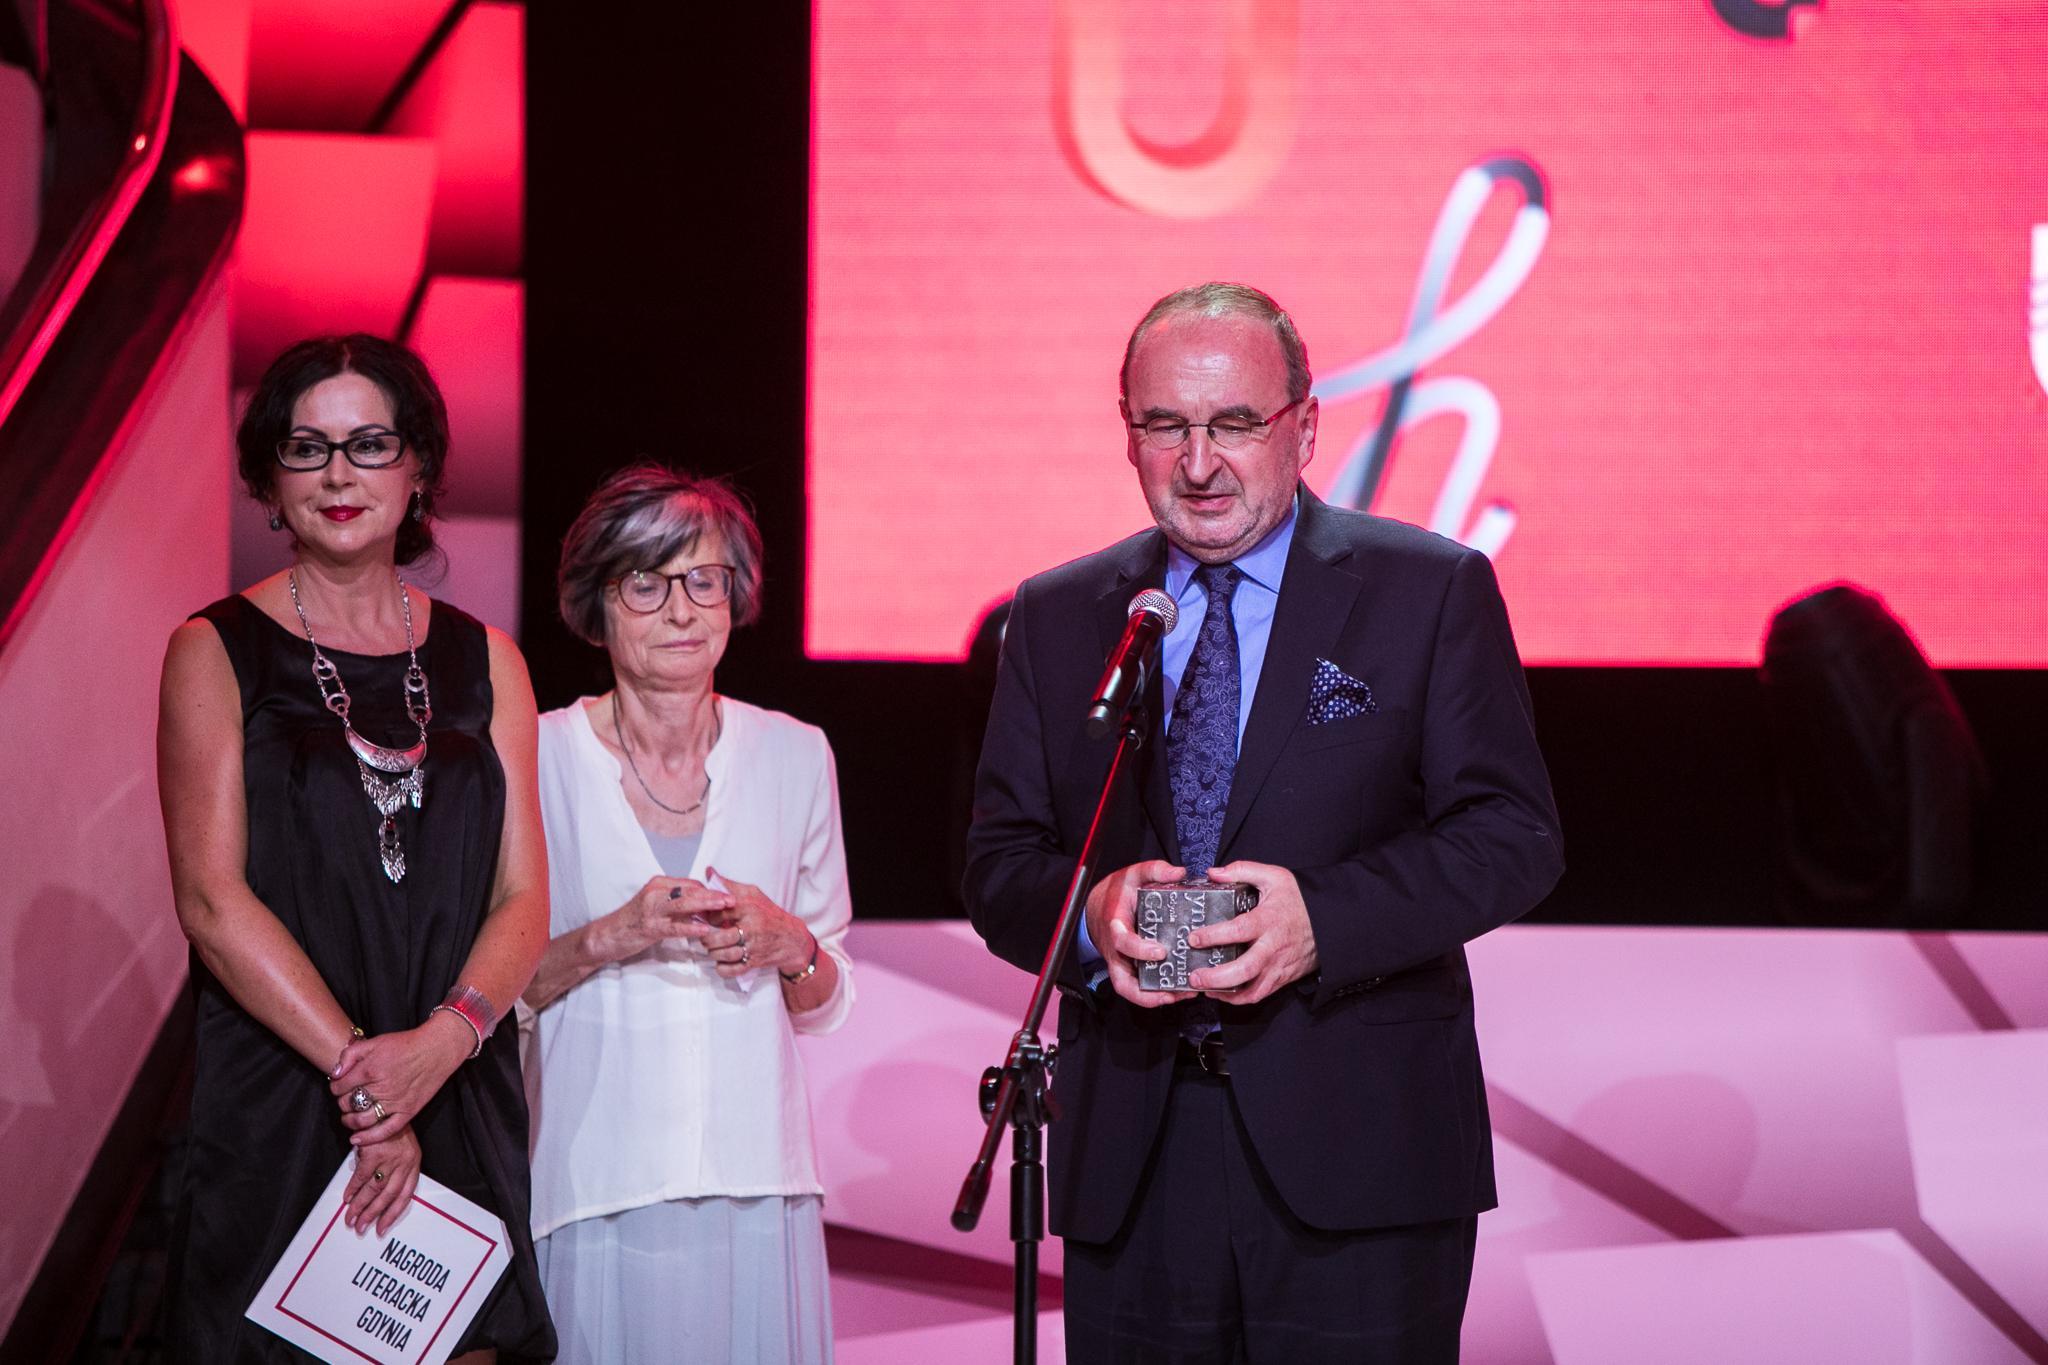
(644, 590)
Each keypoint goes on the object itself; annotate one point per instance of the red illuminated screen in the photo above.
(1676, 310)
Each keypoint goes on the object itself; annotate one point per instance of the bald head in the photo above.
(1219, 299)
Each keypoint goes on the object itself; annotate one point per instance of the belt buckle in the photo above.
(1209, 1056)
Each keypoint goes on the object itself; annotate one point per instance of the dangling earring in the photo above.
(419, 507)
(276, 520)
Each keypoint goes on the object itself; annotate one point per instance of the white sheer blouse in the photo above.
(654, 1078)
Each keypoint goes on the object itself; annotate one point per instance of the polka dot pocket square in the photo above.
(1335, 695)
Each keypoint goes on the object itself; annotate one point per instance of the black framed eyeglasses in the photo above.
(365, 450)
(1225, 433)
(644, 590)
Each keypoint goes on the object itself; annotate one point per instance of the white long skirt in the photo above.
(739, 1280)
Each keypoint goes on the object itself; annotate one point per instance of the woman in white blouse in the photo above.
(699, 919)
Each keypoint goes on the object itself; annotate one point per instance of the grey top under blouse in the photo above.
(677, 853)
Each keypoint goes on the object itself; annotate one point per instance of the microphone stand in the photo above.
(1015, 1095)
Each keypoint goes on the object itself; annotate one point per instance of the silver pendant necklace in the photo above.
(618, 733)
(407, 766)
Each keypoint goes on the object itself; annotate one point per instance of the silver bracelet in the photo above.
(473, 1007)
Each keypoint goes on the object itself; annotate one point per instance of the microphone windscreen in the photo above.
(1159, 604)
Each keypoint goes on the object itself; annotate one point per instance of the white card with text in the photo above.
(400, 1299)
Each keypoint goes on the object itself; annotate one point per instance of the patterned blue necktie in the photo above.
(1201, 744)
(1201, 752)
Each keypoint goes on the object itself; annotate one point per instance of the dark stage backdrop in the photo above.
(669, 171)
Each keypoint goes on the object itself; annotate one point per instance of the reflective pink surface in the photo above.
(1862, 1297)
(472, 104)
(1977, 1112)
(1706, 1150)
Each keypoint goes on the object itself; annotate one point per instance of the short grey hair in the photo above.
(1219, 299)
(641, 518)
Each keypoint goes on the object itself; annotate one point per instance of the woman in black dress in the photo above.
(347, 774)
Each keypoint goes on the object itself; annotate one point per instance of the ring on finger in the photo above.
(377, 1176)
(378, 1108)
(360, 1100)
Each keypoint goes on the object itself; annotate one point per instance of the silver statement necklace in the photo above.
(407, 766)
(618, 733)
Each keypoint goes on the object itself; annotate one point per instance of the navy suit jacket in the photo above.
(1411, 830)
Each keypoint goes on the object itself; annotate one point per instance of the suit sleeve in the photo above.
(1017, 872)
(1484, 849)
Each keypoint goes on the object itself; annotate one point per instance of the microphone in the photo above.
(1152, 614)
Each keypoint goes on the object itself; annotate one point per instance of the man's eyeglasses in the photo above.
(365, 450)
(1225, 433)
(645, 591)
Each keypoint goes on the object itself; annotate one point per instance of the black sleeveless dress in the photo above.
(265, 1132)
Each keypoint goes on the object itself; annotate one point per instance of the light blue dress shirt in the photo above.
(1251, 612)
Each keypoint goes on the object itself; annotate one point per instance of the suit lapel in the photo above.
(1144, 567)
(1316, 598)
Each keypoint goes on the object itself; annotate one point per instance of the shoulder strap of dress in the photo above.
(465, 632)
(461, 637)
(244, 635)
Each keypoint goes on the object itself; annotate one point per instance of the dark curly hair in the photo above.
(417, 408)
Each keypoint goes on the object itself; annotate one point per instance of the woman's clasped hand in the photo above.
(396, 1074)
(385, 1176)
(756, 933)
(665, 908)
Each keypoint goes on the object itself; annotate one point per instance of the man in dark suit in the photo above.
(1287, 1164)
